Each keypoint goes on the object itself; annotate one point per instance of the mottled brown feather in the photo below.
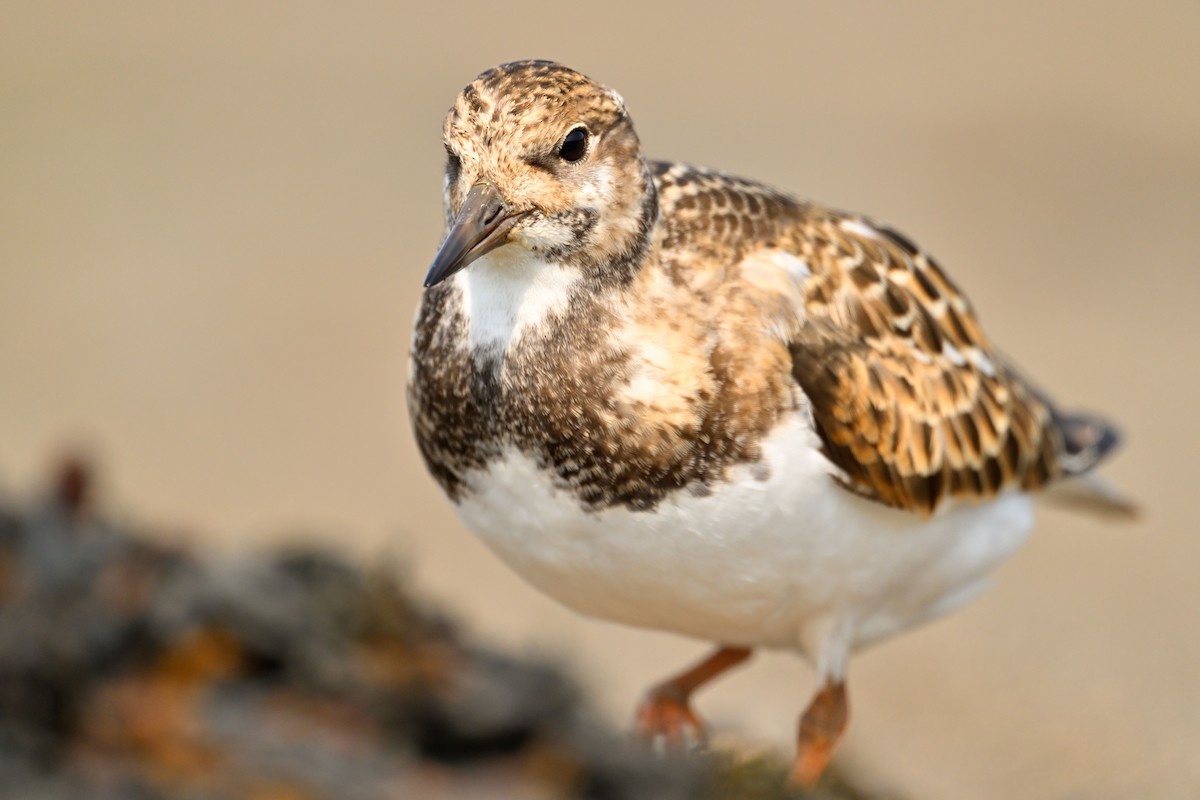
(688, 338)
(907, 394)
(905, 390)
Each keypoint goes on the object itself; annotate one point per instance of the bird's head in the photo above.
(541, 157)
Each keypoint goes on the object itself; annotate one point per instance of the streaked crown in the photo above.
(557, 154)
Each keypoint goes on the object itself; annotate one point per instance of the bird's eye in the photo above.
(574, 145)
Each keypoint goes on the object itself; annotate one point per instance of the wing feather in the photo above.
(908, 396)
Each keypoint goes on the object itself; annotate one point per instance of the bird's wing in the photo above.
(906, 392)
(910, 399)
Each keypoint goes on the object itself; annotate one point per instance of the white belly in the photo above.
(790, 561)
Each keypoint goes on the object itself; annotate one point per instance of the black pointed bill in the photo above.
(482, 225)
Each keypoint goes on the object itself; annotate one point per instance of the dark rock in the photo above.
(130, 670)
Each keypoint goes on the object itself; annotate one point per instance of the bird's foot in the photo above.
(821, 729)
(667, 722)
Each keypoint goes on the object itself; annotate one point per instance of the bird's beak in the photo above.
(482, 225)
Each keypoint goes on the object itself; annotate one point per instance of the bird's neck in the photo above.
(514, 293)
(511, 293)
(623, 240)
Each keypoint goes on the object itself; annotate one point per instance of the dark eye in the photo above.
(574, 145)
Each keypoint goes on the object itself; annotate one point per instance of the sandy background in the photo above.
(214, 221)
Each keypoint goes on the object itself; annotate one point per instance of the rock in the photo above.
(131, 670)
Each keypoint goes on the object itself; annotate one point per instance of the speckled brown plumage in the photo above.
(906, 392)
(908, 396)
(870, 338)
(568, 399)
(661, 394)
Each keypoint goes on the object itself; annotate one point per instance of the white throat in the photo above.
(510, 292)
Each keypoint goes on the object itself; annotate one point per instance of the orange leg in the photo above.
(665, 718)
(821, 729)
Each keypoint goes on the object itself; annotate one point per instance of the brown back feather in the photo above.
(909, 397)
(907, 394)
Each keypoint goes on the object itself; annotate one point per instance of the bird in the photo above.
(682, 400)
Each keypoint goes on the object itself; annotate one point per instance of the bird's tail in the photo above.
(1087, 440)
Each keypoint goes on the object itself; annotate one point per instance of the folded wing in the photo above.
(910, 400)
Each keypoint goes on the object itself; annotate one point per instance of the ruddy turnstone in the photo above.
(682, 400)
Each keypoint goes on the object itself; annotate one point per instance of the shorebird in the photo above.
(682, 400)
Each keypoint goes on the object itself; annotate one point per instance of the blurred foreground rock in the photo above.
(133, 670)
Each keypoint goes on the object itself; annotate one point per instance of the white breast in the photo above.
(789, 561)
(509, 292)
